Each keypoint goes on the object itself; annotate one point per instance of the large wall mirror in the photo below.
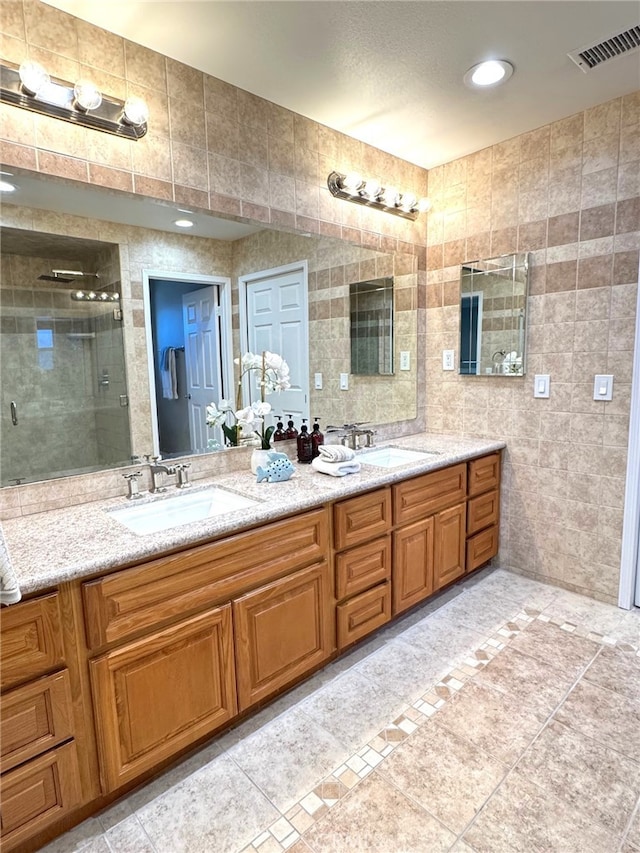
(371, 320)
(83, 231)
(493, 322)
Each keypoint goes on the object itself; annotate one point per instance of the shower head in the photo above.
(67, 276)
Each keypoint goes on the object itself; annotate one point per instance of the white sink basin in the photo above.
(163, 513)
(391, 457)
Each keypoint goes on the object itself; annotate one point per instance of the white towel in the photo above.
(335, 469)
(9, 589)
(336, 453)
(169, 375)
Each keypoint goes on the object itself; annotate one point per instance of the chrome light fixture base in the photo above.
(57, 98)
(336, 183)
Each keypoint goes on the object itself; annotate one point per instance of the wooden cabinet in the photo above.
(449, 545)
(483, 511)
(283, 630)
(362, 528)
(161, 693)
(425, 495)
(40, 780)
(412, 564)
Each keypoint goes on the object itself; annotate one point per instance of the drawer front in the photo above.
(123, 604)
(362, 518)
(484, 474)
(481, 548)
(35, 718)
(31, 638)
(157, 695)
(282, 631)
(362, 614)
(425, 495)
(39, 793)
(483, 511)
(362, 567)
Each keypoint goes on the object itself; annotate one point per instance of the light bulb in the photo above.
(408, 201)
(352, 182)
(371, 189)
(87, 95)
(33, 76)
(183, 223)
(390, 196)
(135, 112)
(423, 205)
(488, 73)
(7, 187)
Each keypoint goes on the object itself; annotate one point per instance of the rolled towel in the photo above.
(336, 453)
(335, 469)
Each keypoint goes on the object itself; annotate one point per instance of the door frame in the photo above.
(629, 588)
(226, 342)
(248, 278)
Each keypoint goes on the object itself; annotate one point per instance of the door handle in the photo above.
(14, 413)
(187, 396)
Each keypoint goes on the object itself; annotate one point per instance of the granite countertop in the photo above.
(82, 540)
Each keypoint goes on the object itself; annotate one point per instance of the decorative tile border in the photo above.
(288, 829)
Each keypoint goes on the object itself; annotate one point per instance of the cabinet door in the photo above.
(283, 630)
(483, 511)
(39, 793)
(481, 548)
(362, 567)
(484, 474)
(412, 564)
(449, 539)
(163, 692)
(362, 614)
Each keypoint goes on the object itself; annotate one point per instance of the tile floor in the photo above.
(503, 716)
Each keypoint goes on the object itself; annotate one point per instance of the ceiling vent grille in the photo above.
(592, 55)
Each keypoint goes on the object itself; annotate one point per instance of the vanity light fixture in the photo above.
(29, 86)
(484, 75)
(92, 296)
(353, 187)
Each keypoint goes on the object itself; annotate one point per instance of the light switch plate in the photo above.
(405, 360)
(541, 382)
(603, 387)
(447, 359)
(344, 381)
(317, 381)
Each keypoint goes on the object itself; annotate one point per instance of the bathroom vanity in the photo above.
(109, 673)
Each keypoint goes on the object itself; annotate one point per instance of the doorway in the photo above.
(188, 331)
(470, 332)
(274, 316)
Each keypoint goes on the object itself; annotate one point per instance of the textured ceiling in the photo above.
(390, 73)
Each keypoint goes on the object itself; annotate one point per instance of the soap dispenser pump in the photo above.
(291, 431)
(317, 438)
(279, 434)
(305, 444)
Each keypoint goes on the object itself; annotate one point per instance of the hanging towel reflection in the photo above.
(169, 374)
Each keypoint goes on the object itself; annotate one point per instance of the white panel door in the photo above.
(277, 321)
(200, 316)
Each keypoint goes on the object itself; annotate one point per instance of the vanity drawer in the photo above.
(362, 518)
(366, 565)
(482, 547)
(123, 604)
(484, 474)
(31, 638)
(423, 496)
(362, 614)
(35, 717)
(483, 511)
(39, 793)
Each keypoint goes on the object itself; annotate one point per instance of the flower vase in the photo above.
(259, 457)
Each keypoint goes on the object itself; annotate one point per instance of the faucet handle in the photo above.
(182, 471)
(132, 482)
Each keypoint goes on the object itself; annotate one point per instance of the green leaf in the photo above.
(266, 438)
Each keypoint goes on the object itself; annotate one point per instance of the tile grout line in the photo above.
(315, 806)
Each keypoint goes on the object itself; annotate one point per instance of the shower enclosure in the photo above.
(63, 395)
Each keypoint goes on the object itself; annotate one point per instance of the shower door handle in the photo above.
(14, 413)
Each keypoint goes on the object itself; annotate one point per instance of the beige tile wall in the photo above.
(568, 193)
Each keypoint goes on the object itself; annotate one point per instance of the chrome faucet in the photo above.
(158, 473)
(132, 482)
(350, 435)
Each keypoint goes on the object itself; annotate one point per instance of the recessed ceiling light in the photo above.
(183, 223)
(6, 187)
(489, 73)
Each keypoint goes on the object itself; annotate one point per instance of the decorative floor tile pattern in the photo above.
(528, 738)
